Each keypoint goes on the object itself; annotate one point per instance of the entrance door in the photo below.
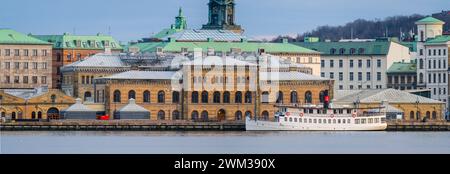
(53, 114)
(221, 115)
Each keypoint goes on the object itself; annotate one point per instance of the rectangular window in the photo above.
(44, 53)
(341, 63)
(16, 65)
(34, 79)
(35, 52)
(341, 87)
(439, 52)
(351, 76)
(7, 79)
(25, 79)
(43, 80)
(331, 75)
(44, 65)
(341, 76)
(322, 63)
(7, 65)
(368, 76)
(360, 76)
(379, 63)
(351, 63)
(331, 63)
(360, 63)
(429, 52)
(421, 52)
(35, 65)
(434, 52)
(378, 76)
(7, 52)
(322, 74)
(25, 53)
(16, 79)
(25, 65)
(444, 52)
(16, 52)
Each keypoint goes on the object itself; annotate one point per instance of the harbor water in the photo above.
(68, 142)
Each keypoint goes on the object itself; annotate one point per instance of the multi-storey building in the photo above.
(433, 58)
(402, 76)
(71, 48)
(25, 62)
(358, 65)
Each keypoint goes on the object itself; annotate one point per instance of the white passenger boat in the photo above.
(316, 118)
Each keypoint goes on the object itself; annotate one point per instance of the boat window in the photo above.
(295, 119)
(341, 111)
(329, 121)
(334, 121)
(306, 120)
(357, 121)
(305, 110)
(343, 121)
(315, 120)
(290, 119)
(310, 120)
(325, 111)
(363, 121)
(311, 111)
(300, 120)
(348, 121)
(320, 120)
(335, 111)
(383, 120)
(370, 120)
(349, 111)
(324, 121)
(285, 119)
(377, 120)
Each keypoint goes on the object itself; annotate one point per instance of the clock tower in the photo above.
(222, 16)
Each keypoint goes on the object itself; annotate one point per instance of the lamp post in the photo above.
(417, 109)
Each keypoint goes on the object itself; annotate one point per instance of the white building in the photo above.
(359, 65)
(432, 58)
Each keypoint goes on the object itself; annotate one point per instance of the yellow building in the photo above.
(33, 104)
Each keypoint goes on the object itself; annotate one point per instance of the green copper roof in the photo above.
(165, 33)
(8, 36)
(358, 48)
(411, 45)
(401, 67)
(67, 41)
(430, 20)
(439, 39)
(224, 47)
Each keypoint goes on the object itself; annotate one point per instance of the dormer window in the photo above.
(361, 51)
(84, 45)
(78, 43)
(342, 51)
(113, 45)
(211, 51)
(352, 51)
(332, 51)
(67, 44)
(159, 50)
(98, 44)
(184, 50)
(106, 43)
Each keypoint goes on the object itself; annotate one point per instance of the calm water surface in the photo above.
(224, 142)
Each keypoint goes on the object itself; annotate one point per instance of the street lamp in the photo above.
(417, 108)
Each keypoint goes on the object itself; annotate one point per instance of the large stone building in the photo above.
(433, 58)
(33, 104)
(358, 65)
(71, 48)
(185, 94)
(25, 62)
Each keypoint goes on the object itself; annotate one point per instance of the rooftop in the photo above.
(8, 36)
(348, 48)
(67, 41)
(288, 76)
(380, 95)
(78, 107)
(204, 35)
(430, 20)
(144, 75)
(439, 39)
(402, 67)
(133, 107)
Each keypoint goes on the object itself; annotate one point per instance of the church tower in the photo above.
(222, 16)
(180, 21)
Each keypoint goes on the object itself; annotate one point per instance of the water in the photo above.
(224, 142)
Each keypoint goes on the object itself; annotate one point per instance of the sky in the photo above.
(131, 20)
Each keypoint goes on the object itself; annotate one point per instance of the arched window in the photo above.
(428, 115)
(332, 51)
(194, 116)
(87, 96)
(226, 97)
(421, 78)
(53, 98)
(205, 116)
(280, 97)
(248, 114)
(422, 36)
(132, 94)
(265, 97)
(176, 115)
(352, 50)
(294, 97)
(322, 96)
(434, 115)
(161, 97)
(342, 51)
(204, 97)
(420, 63)
(39, 115)
(13, 115)
(308, 97)
(161, 115)
(175, 97)
(33, 115)
(194, 97)
(411, 115)
(216, 97)
(238, 115)
(248, 97)
(265, 115)
(146, 97)
(238, 98)
(117, 98)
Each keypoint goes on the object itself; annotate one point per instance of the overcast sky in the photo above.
(134, 19)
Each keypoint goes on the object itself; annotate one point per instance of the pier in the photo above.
(138, 125)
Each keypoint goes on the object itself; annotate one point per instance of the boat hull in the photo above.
(252, 125)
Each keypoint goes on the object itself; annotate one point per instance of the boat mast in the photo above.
(257, 94)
